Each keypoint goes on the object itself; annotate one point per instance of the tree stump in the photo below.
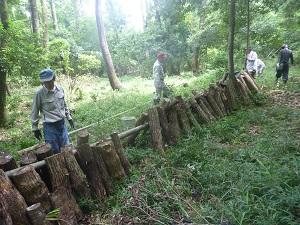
(7, 162)
(43, 152)
(183, 119)
(155, 130)
(31, 186)
(173, 123)
(106, 179)
(78, 179)
(28, 158)
(167, 134)
(88, 164)
(58, 171)
(16, 205)
(63, 200)
(119, 149)
(82, 137)
(112, 160)
(5, 218)
(37, 215)
(140, 121)
(202, 116)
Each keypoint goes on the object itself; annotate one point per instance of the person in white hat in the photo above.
(49, 104)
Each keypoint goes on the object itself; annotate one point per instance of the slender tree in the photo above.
(53, 13)
(248, 23)
(113, 79)
(34, 16)
(231, 37)
(3, 73)
(45, 22)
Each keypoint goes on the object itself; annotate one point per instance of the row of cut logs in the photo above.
(88, 170)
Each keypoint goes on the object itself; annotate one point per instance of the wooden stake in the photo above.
(7, 162)
(119, 149)
(155, 130)
(31, 186)
(16, 205)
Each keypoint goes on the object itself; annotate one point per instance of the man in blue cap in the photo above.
(49, 104)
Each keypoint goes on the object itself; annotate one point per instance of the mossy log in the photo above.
(208, 106)
(16, 205)
(5, 218)
(216, 93)
(165, 128)
(43, 152)
(32, 187)
(183, 119)
(155, 130)
(112, 160)
(105, 177)
(224, 99)
(174, 127)
(28, 158)
(63, 200)
(201, 103)
(250, 82)
(37, 215)
(7, 162)
(78, 179)
(214, 105)
(88, 164)
(141, 120)
(120, 151)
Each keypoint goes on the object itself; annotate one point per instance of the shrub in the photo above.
(88, 64)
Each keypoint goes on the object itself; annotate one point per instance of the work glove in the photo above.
(71, 124)
(38, 134)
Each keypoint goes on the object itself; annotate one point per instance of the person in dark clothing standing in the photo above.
(284, 57)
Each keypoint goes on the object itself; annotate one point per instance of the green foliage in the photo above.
(88, 64)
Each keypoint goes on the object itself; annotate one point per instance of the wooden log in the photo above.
(37, 215)
(173, 123)
(191, 116)
(208, 106)
(214, 105)
(244, 94)
(232, 91)
(202, 116)
(112, 160)
(7, 162)
(16, 204)
(58, 171)
(240, 78)
(5, 218)
(30, 149)
(183, 119)
(78, 179)
(63, 200)
(200, 101)
(82, 137)
(165, 128)
(28, 158)
(215, 92)
(43, 152)
(106, 179)
(119, 149)
(250, 83)
(91, 170)
(31, 186)
(186, 108)
(155, 130)
(141, 120)
(224, 99)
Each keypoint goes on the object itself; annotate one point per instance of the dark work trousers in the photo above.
(284, 72)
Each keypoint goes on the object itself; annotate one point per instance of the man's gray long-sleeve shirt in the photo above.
(158, 73)
(50, 104)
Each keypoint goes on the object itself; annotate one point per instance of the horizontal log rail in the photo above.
(121, 135)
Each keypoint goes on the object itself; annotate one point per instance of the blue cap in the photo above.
(46, 75)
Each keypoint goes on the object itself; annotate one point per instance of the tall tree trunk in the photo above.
(76, 6)
(4, 21)
(113, 79)
(196, 60)
(45, 22)
(231, 37)
(53, 13)
(34, 16)
(248, 23)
